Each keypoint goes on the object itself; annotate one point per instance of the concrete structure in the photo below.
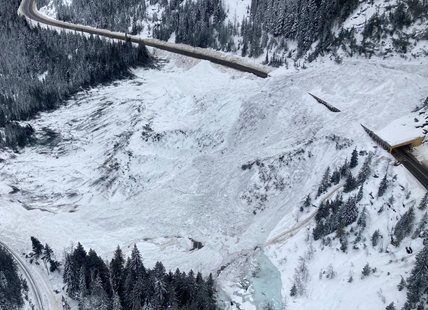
(411, 143)
(402, 133)
(391, 144)
(327, 105)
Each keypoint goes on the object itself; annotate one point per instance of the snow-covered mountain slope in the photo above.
(198, 152)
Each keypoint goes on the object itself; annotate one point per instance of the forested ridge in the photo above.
(41, 68)
(125, 283)
(278, 29)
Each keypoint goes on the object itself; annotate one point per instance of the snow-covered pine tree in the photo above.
(382, 186)
(98, 298)
(365, 169)
(308, 201)
(325, 182)
(420, 229)
(350, 184)
(366, 270)
(391, 306)
(10, 283)
(417, 283)
(136, 260)
(360, 193)
(362, 220)
(47, 253)
(344, 170)
(349, 212)
(116, 305)
(375, 237)
(335, 177)
(402, 284)
(354, 159)
(37, 247)
(404, 226)
(293, 290)
(82, 288)
(70, 276)
(423, 203)
(117, 271)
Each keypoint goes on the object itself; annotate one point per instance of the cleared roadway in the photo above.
(419, 171)
(28, 9)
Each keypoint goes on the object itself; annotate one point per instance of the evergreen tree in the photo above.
(360, 193)
(362, 220)
(423, 203)
(366, 270)
(382, 187)
(421, 226)
(391, 306)
(37, 247)
(365, 170)
(350, 184)
(293, 291)
(117, 271)
(10, 283)
(136, 261)
(417, 283)
(47, 253)
(343, 243)
(308, 201)
(375, 237)
(344, 170)
(335, 177)
(349, 212)
(325, 183)
(402, 284)
(116, 302)
(98, 298)
(354, 159)
(82, 290)
(404, 226)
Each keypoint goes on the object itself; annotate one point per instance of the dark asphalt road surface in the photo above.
(29, 10)
(419, 171)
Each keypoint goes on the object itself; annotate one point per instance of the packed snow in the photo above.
(195, 151)
(404, 129)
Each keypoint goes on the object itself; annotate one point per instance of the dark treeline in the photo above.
(40, 68)
(128, 284)
(267, 27)
(10, 283)
(303, 21)
(116, 15)
(194, 22)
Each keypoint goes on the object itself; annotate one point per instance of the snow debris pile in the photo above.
(240, 164)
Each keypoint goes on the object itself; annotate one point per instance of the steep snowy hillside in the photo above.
(197, 152)
(273, 32)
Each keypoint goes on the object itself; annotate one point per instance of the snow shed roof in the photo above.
(401, 132)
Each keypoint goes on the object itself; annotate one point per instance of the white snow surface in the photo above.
(402, 130)
(158, 159)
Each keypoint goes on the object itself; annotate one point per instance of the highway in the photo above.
(25, 272)
(28, 9)
(419, 171)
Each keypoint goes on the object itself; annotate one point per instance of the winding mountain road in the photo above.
(419, 171)
(292, 231)
(26, 273)
(28, 9)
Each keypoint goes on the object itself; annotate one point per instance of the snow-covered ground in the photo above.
(197, 151)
